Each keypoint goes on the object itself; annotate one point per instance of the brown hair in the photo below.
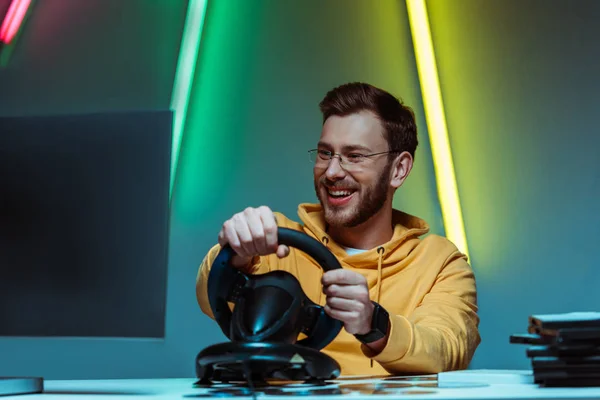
(397, 119)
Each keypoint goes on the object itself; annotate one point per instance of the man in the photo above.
(408, 304)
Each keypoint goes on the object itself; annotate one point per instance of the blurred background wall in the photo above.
(518, 80)
(520, 86)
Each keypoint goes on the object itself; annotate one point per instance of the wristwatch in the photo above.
(380, 324)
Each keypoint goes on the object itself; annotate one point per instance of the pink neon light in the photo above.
(14, 18)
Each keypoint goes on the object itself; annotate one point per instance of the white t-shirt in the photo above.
(350, 251)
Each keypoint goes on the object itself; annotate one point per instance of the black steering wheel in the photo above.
(271, 307)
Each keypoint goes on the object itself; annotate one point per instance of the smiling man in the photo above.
(407, 300)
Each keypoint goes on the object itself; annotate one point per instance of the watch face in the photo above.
(379, 326)
(383, 321)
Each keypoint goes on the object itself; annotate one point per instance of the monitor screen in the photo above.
(84, 217)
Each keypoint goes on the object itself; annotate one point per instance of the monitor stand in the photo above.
(17, 385)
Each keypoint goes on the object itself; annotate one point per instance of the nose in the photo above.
(334, 170)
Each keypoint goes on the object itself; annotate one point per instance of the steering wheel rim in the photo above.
(222, 272)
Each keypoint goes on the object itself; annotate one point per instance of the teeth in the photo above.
(340, 193)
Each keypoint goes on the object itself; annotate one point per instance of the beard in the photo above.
(367, 201)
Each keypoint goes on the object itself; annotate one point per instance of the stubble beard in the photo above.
(367, 202)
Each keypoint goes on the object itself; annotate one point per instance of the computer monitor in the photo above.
(84, 224)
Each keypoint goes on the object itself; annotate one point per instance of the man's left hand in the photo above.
(348, 300)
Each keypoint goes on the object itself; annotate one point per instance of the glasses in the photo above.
(350, 161)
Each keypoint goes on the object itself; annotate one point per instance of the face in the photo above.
(350, 198)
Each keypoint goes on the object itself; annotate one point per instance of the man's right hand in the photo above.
(250, 233)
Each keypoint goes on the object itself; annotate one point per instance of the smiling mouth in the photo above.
(339, 194)
(339, 197)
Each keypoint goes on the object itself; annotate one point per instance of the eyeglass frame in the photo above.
(341, 157)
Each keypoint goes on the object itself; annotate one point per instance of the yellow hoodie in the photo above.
(426, 285)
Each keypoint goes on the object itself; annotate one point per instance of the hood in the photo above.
(407, 229)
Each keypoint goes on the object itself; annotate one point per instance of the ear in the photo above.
(401, 168)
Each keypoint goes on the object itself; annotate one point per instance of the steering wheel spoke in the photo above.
(312, 313)
(240, 280)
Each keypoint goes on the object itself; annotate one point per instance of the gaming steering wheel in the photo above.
(271, 307)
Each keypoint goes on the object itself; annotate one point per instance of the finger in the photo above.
(283, 251)
(270, 228)
(352, 320)
(342, 304)
(351, 292)
(245, 237)
(229, 236)
(222, 238)
(255, 226)
(343, 277)
(347, 317)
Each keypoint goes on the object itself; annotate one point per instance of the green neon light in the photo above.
(184, 76)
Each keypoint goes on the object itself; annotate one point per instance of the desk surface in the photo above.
(482, 384)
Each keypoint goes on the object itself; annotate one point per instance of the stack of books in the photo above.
(564, 348)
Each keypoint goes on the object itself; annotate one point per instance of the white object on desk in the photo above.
(489, 376)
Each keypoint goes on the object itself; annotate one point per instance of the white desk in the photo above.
(480, 385)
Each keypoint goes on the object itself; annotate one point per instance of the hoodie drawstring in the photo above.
(380, 251)
(325, 241)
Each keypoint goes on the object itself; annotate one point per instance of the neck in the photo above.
(372, 233)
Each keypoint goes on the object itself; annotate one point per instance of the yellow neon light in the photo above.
(436, 123)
